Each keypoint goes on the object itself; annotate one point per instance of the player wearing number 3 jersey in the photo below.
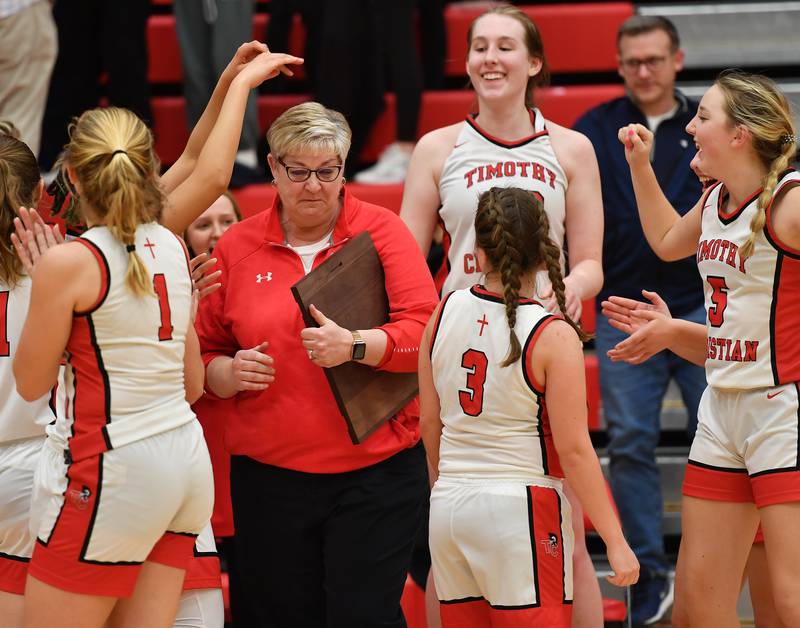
(744, 464)
(503, 412)
(124, 483)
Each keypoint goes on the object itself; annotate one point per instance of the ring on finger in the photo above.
(310, 354)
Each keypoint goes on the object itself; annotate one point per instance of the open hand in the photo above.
(33, 237)
(329, 344)
(205, 282)
(244, 55)
(629, 315)
(266, 66)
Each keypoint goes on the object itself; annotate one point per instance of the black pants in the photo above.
(327, 550)
(95, 36)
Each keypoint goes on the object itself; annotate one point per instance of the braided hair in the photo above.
(512, 230)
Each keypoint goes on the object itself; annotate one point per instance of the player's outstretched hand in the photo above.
(33, 237)
(638, 142)
(252, 369)
(623, 564)
(205, 281)
(629, 315)
(266, 66)
(244, 55)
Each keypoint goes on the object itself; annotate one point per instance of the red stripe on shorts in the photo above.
(547, 545)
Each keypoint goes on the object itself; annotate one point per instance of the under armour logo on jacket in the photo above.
(260, 277)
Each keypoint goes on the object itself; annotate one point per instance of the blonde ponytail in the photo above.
(112, 153)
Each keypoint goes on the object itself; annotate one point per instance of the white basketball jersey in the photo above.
(753, 304)
(18, 418)
(124, 372)
(479, 162)
(495, 419)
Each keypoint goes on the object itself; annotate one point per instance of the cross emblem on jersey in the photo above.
(483, 323)
(150, 246)
(260, 277)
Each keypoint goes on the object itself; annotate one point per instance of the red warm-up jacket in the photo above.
(295, 423)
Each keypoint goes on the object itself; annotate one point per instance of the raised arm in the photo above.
(183, 167)
(211, 173)
(557, 361)
(670, 235)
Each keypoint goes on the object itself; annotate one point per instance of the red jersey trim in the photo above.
(487, 295)
(505, 143)
(444, 270)
(726, 218)
(706, 193)
(527, 354)
(769, 232)
(102, 262)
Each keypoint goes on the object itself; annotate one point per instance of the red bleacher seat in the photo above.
(577, 37)
(562, 105)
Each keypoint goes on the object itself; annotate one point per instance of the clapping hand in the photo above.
(647, 324)
(33, 237)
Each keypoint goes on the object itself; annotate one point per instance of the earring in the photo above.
(344, 180)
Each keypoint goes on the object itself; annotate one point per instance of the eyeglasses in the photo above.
(653, 64)
(298, 174)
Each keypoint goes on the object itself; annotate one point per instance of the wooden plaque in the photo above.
(349, 288)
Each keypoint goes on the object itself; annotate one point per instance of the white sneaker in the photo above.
(391, 167)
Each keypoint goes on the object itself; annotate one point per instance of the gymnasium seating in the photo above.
(562, 105)
(577, 37)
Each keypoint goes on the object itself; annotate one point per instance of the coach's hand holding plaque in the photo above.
(344, 294)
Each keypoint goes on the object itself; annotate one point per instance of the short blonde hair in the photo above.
(309, 126)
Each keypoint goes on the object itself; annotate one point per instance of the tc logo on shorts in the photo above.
(260, 277)
(551, 545)
(80, 498)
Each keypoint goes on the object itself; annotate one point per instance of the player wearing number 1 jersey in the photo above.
(744, 464)
(124, 483)
(503, 411)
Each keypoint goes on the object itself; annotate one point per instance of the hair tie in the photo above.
(130, 248)
(119, 150)
(788, 139)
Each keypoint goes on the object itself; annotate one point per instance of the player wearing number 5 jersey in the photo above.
(744, 464)
(124, 483)
(503, 412)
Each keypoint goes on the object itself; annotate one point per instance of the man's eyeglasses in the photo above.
(653, 64)
(298, 174)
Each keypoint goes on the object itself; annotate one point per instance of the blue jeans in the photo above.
(632, 396)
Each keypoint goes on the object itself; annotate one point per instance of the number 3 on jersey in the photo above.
(160, 286)
(719, 300)
(471, 400)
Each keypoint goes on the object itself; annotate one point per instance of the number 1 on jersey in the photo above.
(160, 286)
(471, 400)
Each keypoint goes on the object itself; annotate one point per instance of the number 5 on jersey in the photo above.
(471, 400)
